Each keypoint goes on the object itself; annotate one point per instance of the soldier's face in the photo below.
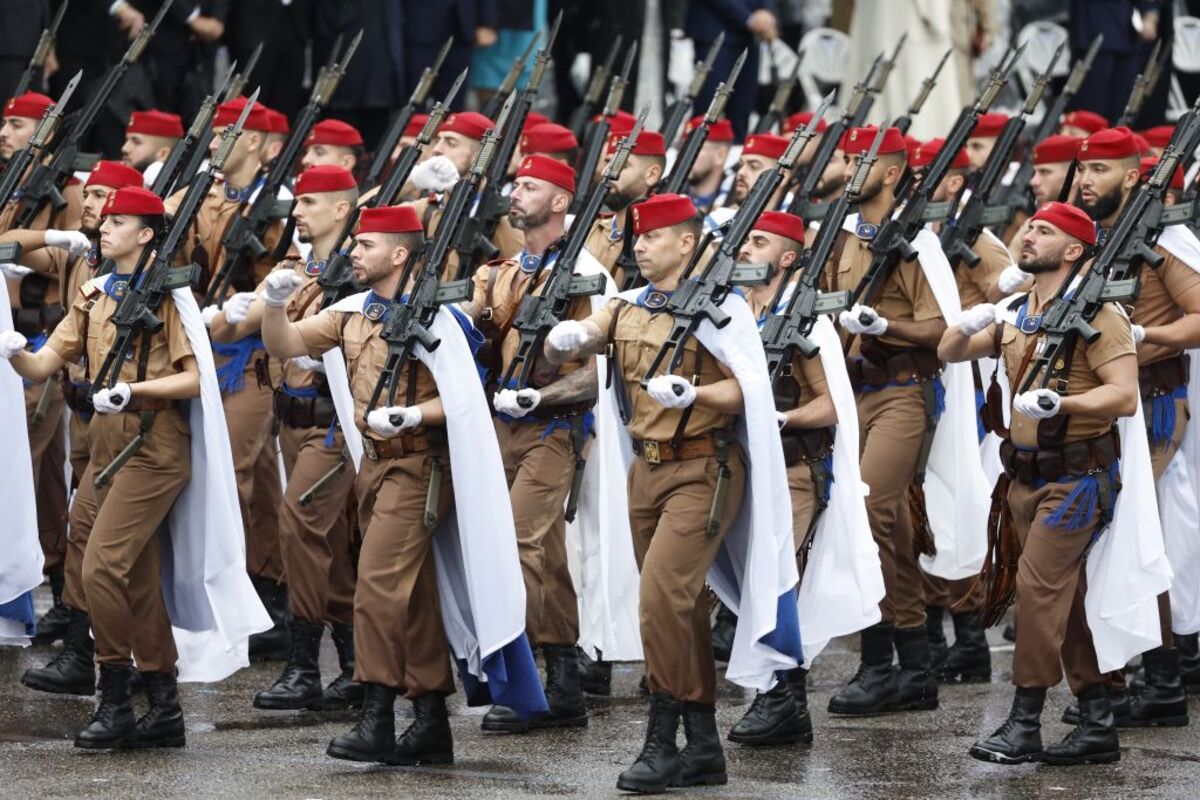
(1047, 181)
(762, 247)
(333, 155)
(15, 133)
(710, 160)
(458, 148)
(1045, 247)
(121, 236)
(633, 182)
(315, 214)
(831, 178)
(375, 257)
(978, 150)
(749, 168)
(533, 201)
(663, 251)
(140, 151)
(246, 150)
(948, 188)
(1103, 184)
(93, 201)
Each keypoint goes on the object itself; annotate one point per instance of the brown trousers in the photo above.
(957, 596)
(79, 456)
(249, 414)
(399, 640)
(314, 540)
(1051, 625)
(668, 508)
(891, 428)
(118, 526)
(76, 543)
(47, 448)
(539, 471)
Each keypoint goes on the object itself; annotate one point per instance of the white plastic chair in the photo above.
(826, 54)
(1185, 57)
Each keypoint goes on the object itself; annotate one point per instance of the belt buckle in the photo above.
(650, 452)
(369, 449)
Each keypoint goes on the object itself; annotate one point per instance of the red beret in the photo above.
(789, 226)
(547, 169)
(134, 200)
(1143, 146)
(324, 178)
(334, 132)
(415, 125)
(155, 123)
(30, 104)
(989, 125)
(1069, 219)
(767, 145)
(661, 211)
(228, 113)
(389, 219)
(1056, 149)
(278, 122)
(800, 119)
(719, 131)
(1110, 143)
(858, 140)
(926, 152)
(115, 175)
(911, 143)
(1159, 136)
(548, 138)
(649, 143)
(534, 118)
(1089, 121)
(1148, 165)
(470, 124)
(621, 123)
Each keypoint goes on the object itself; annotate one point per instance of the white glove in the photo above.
(1138, 332)
(516, 403)
(380, 420)
(976, 318)
(11, 343)
(436, 174)
(1029, 403)
(74, 242)
(209, 313)
(781, 418)
(862, 320)
(110, 401)
(1011, 279)
(238, 306)
(277, 288)
(566, 335)
(15, 271)
(309, 363)
(663, 390)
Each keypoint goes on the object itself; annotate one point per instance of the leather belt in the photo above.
(78, 397)
(658, 452)
(406, 444)
(1164, 377)
(1072, 460)
(806, 446)
(303, 412)
(548, 413)
(901, 368)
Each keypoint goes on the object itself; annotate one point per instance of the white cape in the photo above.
(21, 555)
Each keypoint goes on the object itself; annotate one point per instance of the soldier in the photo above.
(120, 570)
(277, 132)
(314, 534)
(245, 371)
(829, 186)
(72, 262)
(1051, 159)
(1158, 137)
(542, 429)
(149, 137)
(332, 141)
(549, 139)
(760, 152)
(983, 138)
(708, 172)
(1081, 123)
(1055, 510)
(1166, 321)
(642, 172)
(895, 372)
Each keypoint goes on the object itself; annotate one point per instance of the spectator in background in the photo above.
(1122, 56)
(21, 24)
(283, 27)
(744, 23)
(179, 59)
(428, 23)
(522, 21)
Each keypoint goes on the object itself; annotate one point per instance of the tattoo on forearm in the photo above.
(576, 387)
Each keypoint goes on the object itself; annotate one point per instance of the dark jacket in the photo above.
(707, 18)
(1113, 19)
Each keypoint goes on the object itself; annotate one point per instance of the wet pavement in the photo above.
(236, 750)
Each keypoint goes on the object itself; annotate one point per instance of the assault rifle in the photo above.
(172, 169)
(45, 184)
(597, 134)
(37, 64)
(786, 332)
(695, 139)
(681, 108)
(243, 241)
(905, 122)
(595, 90)
(777, 111)
(19, 162)
(1143, 85)
(697, 299)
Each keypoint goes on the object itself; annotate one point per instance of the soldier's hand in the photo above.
(111, 401)
(1011, 279)
(1038, 403)
(976, 318)
(209, 313)
(566, 336)
(74, 242)
(14, 271)
(671, 391)
(309, 363)
(863, 320)
(436, 174)
(389, 421)
(516, 404)
(11, 343)
(1138, 333)
(238, 306)
(278, 287)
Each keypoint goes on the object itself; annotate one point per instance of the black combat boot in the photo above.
(1019, 739)
(72, 670)
(658, 765)
(722, 633)
(53, 625)
(1159, 701)
(1094, 739)
(373, 737)
(271, 645)
(777, 716)
(938, 648)
(969, 660)
(595, 677)
(1188, 646)
(343, 691)
(563, 692)
(113, 721)
(427, 740)
(702, 762)
(874, 687)
(300, 682)
(797, 679)
(162, 725)
(1118, 700)
(918, 689)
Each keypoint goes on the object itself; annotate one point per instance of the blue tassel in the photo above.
(980, 398)
(20, 610)
(1084, 498)
(939, 399)
(828, 485)
(36, 343)
(231, 374)
(1162, 416)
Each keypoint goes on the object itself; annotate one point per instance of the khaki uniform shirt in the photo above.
(974, 283)
(304, 303)
(600, 242)
(1156, 304)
